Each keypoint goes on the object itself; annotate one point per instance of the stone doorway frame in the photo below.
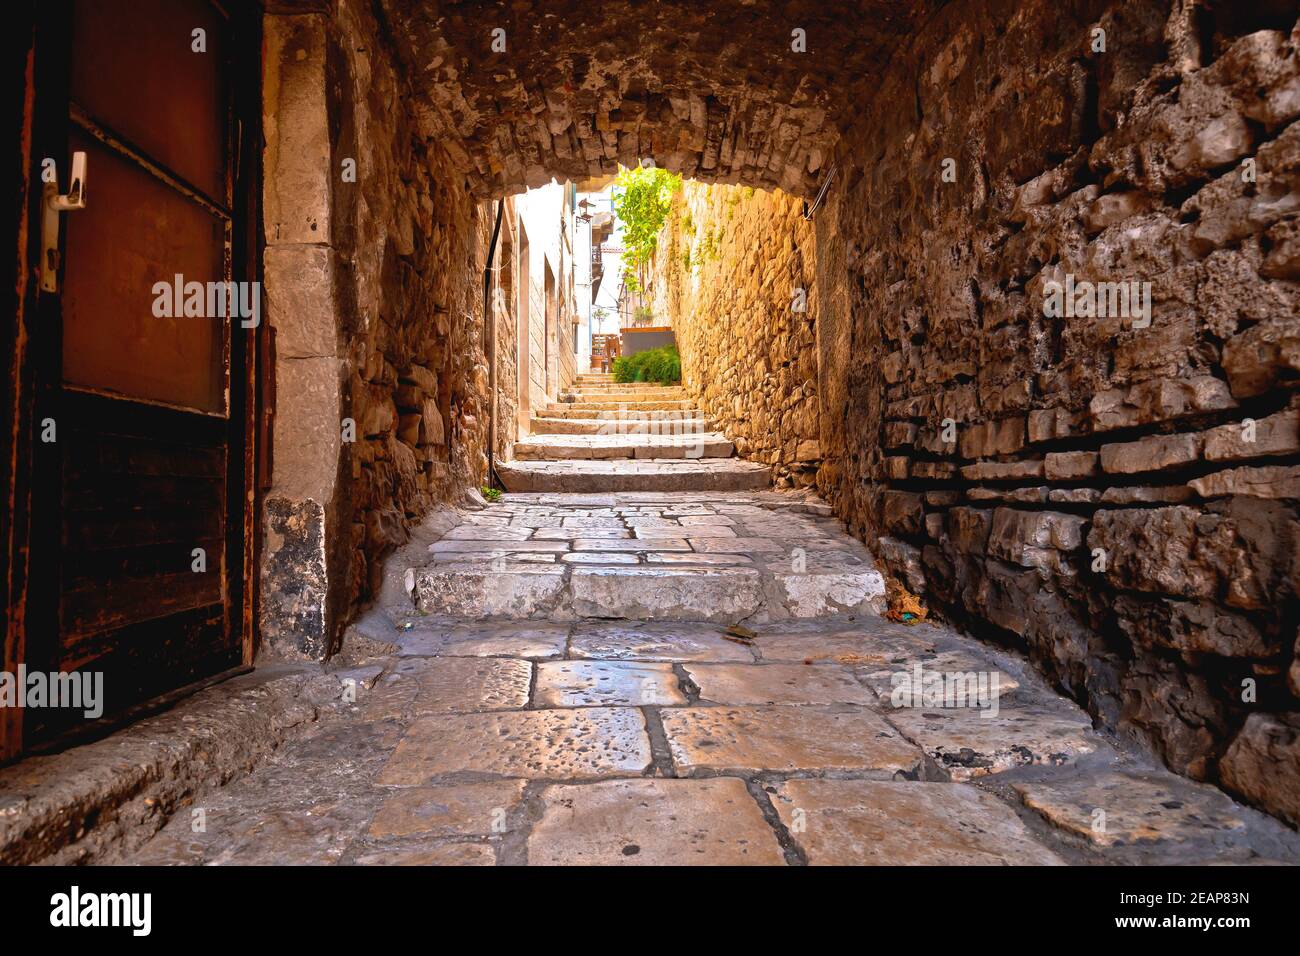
(302, 525)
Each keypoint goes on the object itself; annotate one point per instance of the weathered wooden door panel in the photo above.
(138, 232)
(145, 574)
(136, 71)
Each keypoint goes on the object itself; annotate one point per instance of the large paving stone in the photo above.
(572, 534)
(466, 809)
(603, 683)
(970, 742)
(435, 854)
(946, 674)
(778, 684)
(882, 655)
(602, 521)
(860, 646)
(653, 822)
(703, 560)
(599, 557)
(466, 684)
(737, 545)
(655, 641)
(698, 594)
(486, 592)
(751, 739)
(577, 744)
(695, 532)
(706, 521)
(487, 639)
(1113, 808)
(469, 550)
(903, 823)
(817, 595)
(630, 544)
(479, 532)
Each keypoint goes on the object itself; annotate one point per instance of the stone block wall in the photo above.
(734, 274)
(373, 266)
(1117, 496)
(545, 223)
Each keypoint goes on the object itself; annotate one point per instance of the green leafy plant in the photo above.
(491, 494)
(709, 247)
(643, 196)
(662, 365)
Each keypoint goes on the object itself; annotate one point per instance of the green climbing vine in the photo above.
(642, 197)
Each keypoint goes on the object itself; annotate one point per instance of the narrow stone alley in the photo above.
(602, 729)
(507, 432)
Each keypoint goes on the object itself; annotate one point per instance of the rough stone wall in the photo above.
(1119, 498)
(734, 274)
(374, 290)
(412, 247)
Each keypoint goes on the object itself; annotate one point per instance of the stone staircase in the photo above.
(604, 436)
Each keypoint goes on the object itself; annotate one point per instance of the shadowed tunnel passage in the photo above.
(1107, 487)
(986, 448)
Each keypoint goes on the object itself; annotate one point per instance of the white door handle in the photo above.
(72, 200)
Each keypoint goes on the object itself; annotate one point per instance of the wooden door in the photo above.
(141, 547)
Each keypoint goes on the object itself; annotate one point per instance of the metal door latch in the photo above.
(72, 200)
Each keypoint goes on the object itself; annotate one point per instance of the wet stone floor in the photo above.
(844, 739)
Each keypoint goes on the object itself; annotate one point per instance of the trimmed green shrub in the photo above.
(663, 365)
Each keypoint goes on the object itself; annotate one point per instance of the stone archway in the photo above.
(722, 92)
(982, 151)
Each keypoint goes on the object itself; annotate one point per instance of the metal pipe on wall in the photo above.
(490, 318)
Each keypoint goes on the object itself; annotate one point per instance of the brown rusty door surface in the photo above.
(145, 576)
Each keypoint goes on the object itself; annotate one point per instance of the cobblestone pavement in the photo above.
(833, 740)
(647, 556)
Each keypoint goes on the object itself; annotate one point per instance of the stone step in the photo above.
(606, 426)
(664, 390)
(598, 447)
(583, 380)
(564, 592)
(623, 386)
(662, 395)
(620, 412)
(612, 406)
(595, 477)
(683, 562)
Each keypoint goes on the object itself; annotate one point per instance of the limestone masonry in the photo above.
(1109, 483)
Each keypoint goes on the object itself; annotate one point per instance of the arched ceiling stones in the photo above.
(714, 90)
